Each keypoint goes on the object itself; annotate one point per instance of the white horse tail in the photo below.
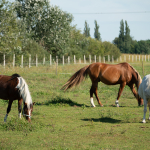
(24, 91)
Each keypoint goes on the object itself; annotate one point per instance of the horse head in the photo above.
(27, 111)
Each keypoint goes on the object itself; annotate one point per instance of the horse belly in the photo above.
(110, 81)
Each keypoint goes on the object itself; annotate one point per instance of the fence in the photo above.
(68, 60)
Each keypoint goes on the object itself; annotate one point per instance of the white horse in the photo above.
(144, 93)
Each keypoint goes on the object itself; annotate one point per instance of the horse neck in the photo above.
(24, 91)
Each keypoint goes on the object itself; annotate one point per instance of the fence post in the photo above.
(120, 59)
(29, 61)
(4, 60)
(112, 59)
(90, 59)
(56, 63)
(44, 60)
(68, 60)
(63, 60)
(84, 59)
(74, 59)
(50, 60)
(148, 57)
(108, 58)
(95, 58)
(36, 60)
(129, 57)
(21, 61)
(14, 60)
(99, 58)
(139, 57)
(104, 59)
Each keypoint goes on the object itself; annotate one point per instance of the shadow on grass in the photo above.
(103, 119)
(58, 101)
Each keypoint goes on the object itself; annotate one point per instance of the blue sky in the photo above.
(109, 14)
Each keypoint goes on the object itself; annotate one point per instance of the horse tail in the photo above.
(24, 91)
(76, 79)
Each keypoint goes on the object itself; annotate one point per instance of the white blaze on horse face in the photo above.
(92, 102)
(29, 113)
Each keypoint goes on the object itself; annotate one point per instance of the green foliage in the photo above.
(48, 25)
(86, 29)
(126, 44)
(97, 34)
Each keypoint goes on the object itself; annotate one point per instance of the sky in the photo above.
(108, 14)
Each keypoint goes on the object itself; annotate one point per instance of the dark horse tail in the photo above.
(76, 79)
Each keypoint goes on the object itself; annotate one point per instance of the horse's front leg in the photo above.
(93, 89)
(135, 94)
(119, 93)
(8, 110)
(20, 106)
(145, 110)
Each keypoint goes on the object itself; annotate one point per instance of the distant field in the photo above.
(66, 120)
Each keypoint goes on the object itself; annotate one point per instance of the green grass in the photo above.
(65, 120)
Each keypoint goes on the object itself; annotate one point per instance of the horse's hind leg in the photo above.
(119, 93)
(8, 109)
(20, 106)
(93, 89)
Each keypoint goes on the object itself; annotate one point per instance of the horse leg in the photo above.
(20, 106)
(119, 93)
(8, 109)
(93, 89)
(134, 92)
(149, 108)
(145, 110)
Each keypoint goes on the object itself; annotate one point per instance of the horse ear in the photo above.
(34, 103)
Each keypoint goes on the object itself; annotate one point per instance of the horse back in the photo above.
(110, 74)
(7, 87)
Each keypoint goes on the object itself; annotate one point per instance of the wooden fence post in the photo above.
(36, 60)
(21, 61)
(50, 60)
(13, 60)
(63, 60)
(29, 61)
(4, 60)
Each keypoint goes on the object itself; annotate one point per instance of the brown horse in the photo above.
(122, 74)
(15, 88)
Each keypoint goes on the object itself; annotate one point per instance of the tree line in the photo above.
(36, 27)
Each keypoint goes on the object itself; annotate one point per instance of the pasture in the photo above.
(66, 120)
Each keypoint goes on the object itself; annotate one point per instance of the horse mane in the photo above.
(24, 91)
(138, 76)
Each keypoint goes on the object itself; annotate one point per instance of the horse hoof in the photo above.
(143, 121)
(117, 105)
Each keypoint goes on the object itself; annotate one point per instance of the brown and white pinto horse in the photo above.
(122, 74)
(15, 88)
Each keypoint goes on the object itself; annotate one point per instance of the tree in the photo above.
(86, 30)
(96, 31)
(8, 28)
(46, 24)
(121, 37)
(127, 38)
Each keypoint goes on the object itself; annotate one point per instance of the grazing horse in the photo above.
(15, 88)
(122, 74)
(144, 92)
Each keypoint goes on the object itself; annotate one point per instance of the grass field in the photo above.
(66, 120)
